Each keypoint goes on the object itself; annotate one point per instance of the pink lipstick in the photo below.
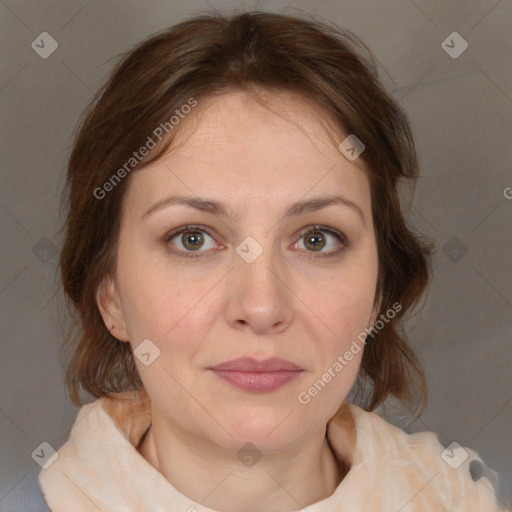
(257, 376)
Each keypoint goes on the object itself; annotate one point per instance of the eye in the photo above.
(190, 239)
(314, 239)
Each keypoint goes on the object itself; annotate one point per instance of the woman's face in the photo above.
(250, 278)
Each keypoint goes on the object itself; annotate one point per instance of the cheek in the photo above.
(168, 311)
(345, 303)
(145, 291)
(345, 306)
(351, 309)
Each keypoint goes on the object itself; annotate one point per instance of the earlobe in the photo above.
(111, 310)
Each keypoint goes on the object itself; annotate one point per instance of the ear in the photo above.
(111, 310)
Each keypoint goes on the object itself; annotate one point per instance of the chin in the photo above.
(267, 431)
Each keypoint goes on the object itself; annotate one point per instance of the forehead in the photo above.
(239, 148)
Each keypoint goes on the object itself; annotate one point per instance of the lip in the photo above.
(248, 364)
(257, 376)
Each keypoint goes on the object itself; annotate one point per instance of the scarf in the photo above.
(100, 469)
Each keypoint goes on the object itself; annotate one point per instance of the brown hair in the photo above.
(205, 56)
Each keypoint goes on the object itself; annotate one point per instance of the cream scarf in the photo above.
(100, 469)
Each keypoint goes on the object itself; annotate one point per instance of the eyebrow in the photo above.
(221, 209)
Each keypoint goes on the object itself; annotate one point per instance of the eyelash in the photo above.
(344, 242)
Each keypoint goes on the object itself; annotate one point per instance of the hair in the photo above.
(209, 55)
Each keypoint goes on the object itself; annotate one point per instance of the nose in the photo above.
(259, 299)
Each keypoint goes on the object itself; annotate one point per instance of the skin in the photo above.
(289, 303)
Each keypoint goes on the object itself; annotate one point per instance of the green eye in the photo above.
(192, 239)
(316, 238)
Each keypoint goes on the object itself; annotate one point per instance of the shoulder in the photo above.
(108, 425)
(454, 477)
(63, 475)
(59, 485)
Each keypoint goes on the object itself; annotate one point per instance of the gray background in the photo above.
(460, 110)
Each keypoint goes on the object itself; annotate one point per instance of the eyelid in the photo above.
(189, 227)
(319, 227)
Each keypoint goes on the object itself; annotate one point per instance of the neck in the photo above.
(207, 474)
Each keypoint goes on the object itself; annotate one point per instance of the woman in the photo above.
(238, 259)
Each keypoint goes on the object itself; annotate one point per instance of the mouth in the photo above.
(257, 376)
